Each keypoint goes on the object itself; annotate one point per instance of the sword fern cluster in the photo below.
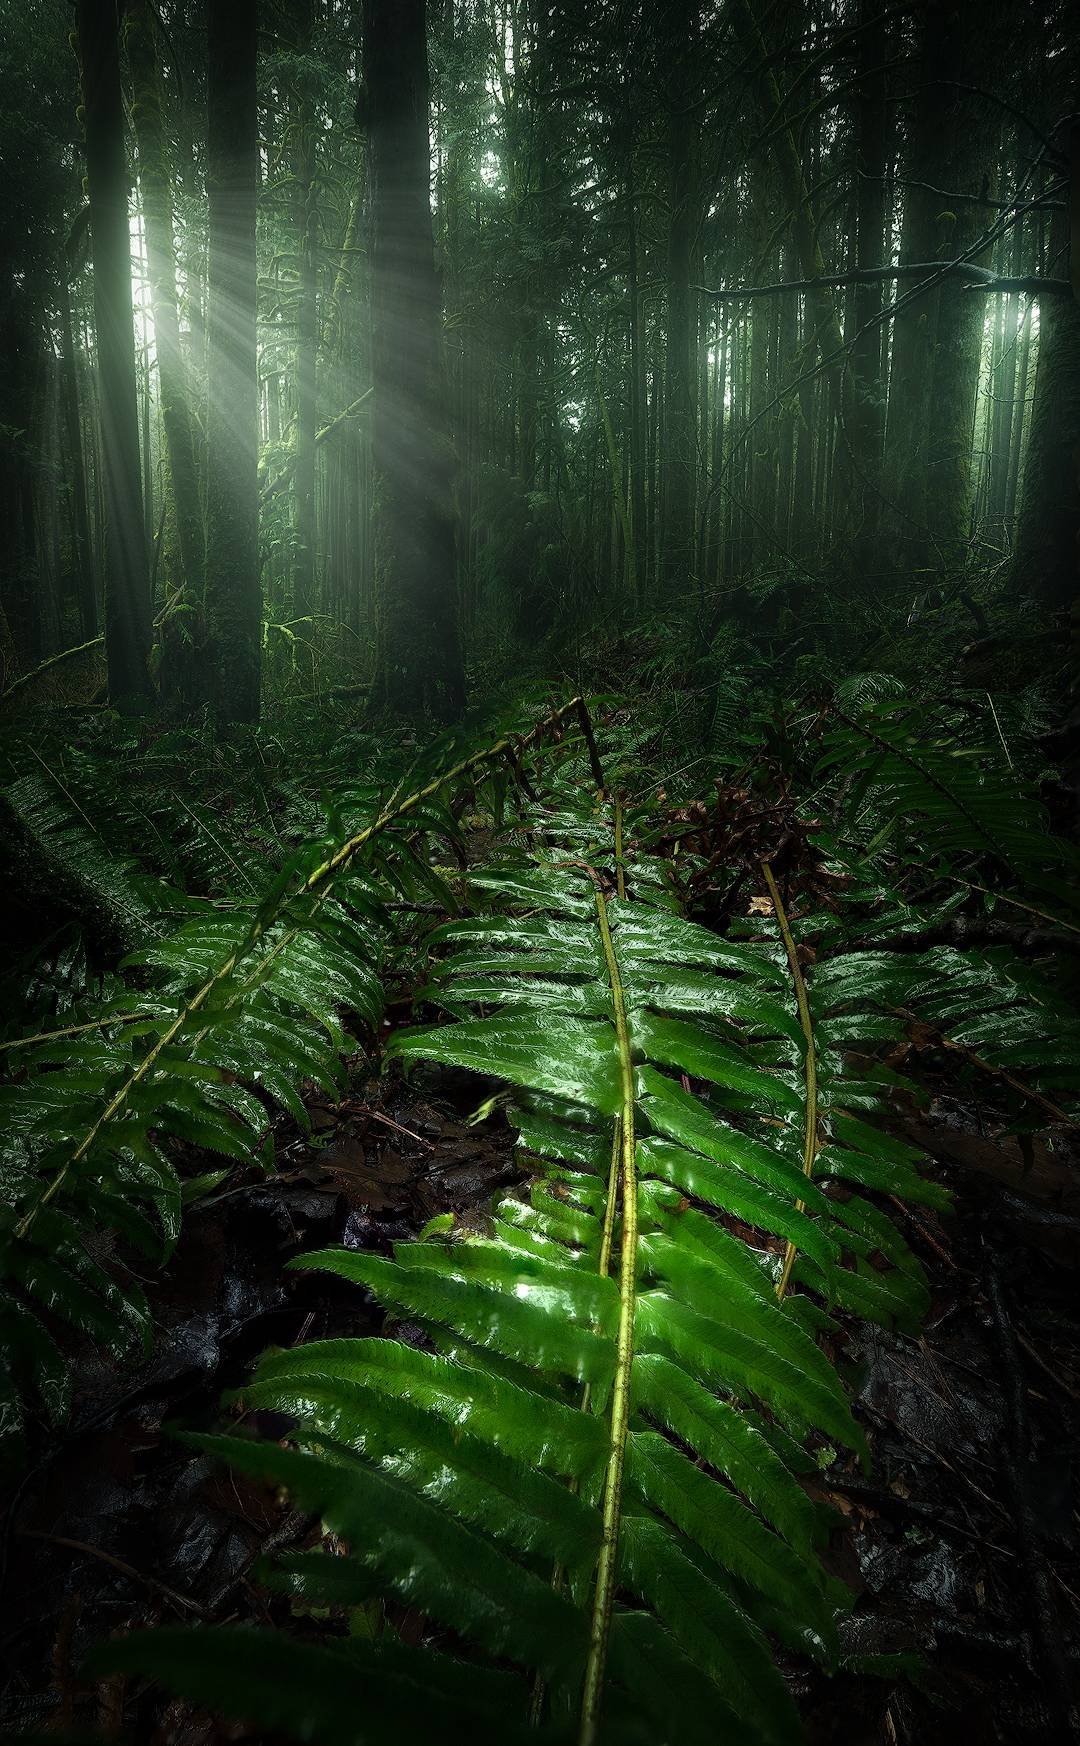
(587, 1462)
(217, 1026)
(584, 1449)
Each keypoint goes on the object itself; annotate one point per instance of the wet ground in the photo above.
(963, 1542)
(961, 1545)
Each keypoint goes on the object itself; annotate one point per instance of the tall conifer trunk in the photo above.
(306, 219)
(844, 404)
(76, 460)
(155, 186)
(1047, 563)
(912, 326)
(958, 327)
(678, 455)
(419, 666)
(127, 583)
(233, 595)
(871, 122)
(637, 418)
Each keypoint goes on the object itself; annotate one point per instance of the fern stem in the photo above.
(1015, 902)
(558, 1575)
(604, 1594)
(604, 1264)
(314, 885)
(201, 824)
(802, 1001)
(53, 661)
(908, 758)
(1000, 735)
(1052, 1109)
(581, 710)
(105, 1023)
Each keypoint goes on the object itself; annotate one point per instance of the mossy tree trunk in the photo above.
(233, 595)
(127, 583)
(760, 456)
(912, 327)
(419, 665)
(871, 153)
(20, 582)
(637, 417)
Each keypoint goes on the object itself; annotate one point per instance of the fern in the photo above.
(169, 820)
(591, 1472)
(587, 1476)
(60, 848)
(234, 1013)
(899, 763)
(155, 822)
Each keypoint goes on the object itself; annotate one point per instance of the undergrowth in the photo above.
(583, 1449)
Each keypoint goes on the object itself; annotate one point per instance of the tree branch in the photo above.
(953, 196)
(978, 279)
(283, 479)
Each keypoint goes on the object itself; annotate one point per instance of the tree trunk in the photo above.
(233, 595)
(127, 587)
(1048, 536)
(1019, 427)
(909, 379)
(419, 663)
(80, 512)
(759, 460)
(677, 488)
(637, 418)
(788, 369)
(306, 219)
(155, 188)
(958, 328)
(792, 182)
(871, 134)
(21, 354)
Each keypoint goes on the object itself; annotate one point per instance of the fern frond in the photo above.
(894, 763)
(237, 1011)
(58, 845)
(593, 1474)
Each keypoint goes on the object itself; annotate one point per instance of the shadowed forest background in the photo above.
(539, 741)
(748, 328)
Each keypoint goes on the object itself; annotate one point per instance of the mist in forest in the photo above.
(539, 754)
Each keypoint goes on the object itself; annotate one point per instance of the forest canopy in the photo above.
(539, 1000)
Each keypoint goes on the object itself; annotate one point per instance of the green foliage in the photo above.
(578, 1451)
(56, 842)
(922, 774)
(222, 1023)
(234, 1014)
(473, 1478)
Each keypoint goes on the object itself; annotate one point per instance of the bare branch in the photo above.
(978, 279)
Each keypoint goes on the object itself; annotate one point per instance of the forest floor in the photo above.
(958, 1545)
